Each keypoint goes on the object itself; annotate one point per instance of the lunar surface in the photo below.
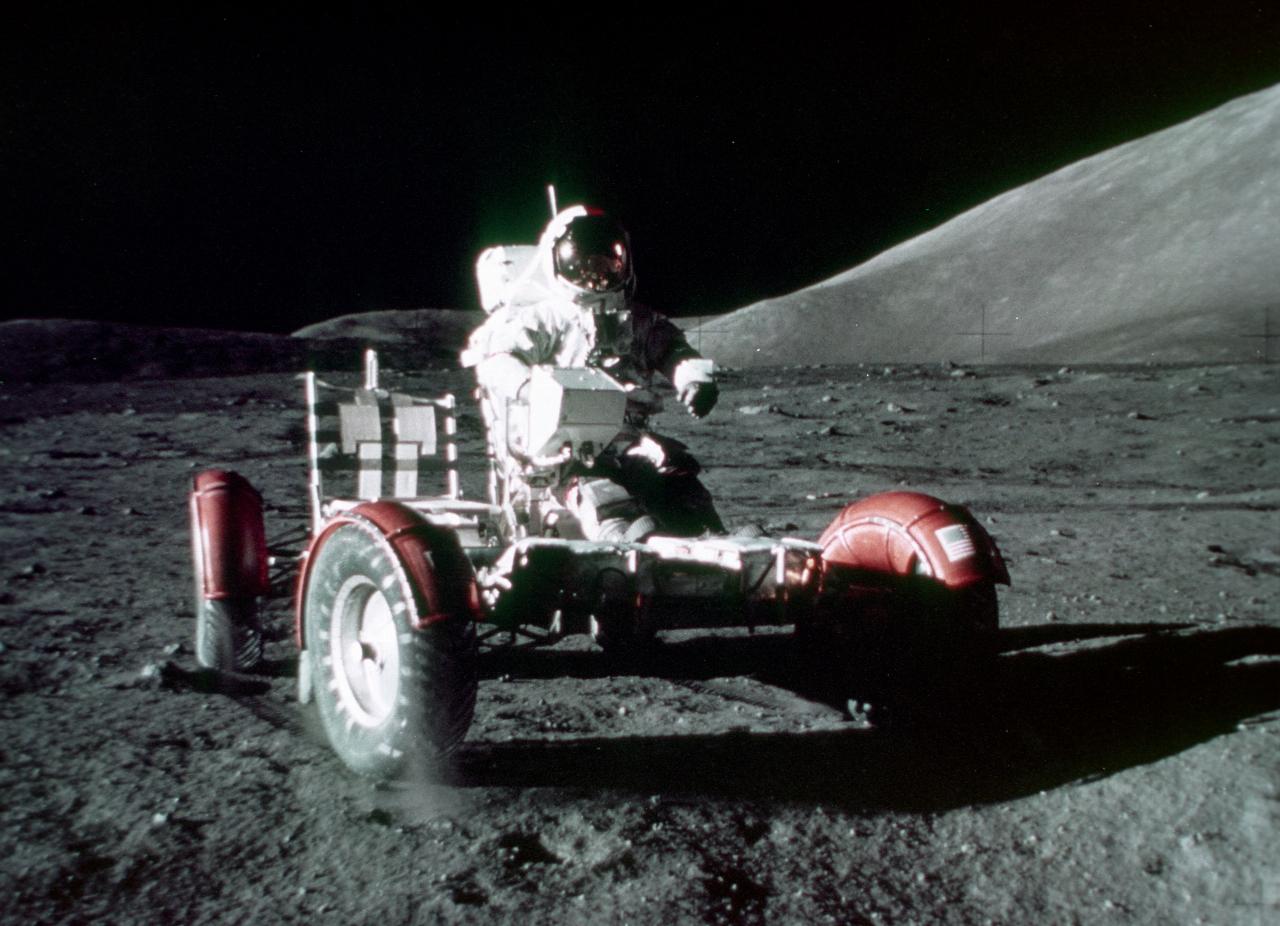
(1117, 764)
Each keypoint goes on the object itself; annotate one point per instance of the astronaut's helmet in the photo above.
(591, 256)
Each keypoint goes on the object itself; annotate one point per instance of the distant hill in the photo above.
(1166, 248)
(76, 350)
(437, 330)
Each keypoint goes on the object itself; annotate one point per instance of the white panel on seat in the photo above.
(416, 424)
(406, 470)
(369, 476)
(359, 424)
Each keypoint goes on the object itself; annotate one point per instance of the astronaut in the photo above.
(582, 314)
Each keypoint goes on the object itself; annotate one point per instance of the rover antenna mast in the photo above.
(551, 196)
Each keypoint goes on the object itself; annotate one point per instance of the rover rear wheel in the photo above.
(975, 613)
(228, 634)
(227, 547)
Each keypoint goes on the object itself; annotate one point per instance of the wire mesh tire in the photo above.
(391, 698)
(956, 627)
(623, 635)
(976, 613)
(228, 634)
(900, 645)
(620, 624)
(952, 640)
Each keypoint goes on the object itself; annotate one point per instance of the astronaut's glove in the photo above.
(694, 379)
(700, 398)
(695, 383)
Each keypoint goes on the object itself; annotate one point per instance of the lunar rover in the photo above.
(398, 583)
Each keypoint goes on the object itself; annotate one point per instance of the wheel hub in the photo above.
(364, 646)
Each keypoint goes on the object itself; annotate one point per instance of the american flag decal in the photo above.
(956, 542)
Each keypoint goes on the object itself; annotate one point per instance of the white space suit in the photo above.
(568, 304)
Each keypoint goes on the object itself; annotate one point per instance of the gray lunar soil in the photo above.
(1120, 763)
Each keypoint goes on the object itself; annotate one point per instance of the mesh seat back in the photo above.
(366, 444)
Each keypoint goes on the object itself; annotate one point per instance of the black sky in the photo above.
(268, 170)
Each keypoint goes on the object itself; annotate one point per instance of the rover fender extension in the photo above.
(228, 536)
(442, 580)
(909, 533)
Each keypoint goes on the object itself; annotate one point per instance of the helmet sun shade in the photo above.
(592, 255)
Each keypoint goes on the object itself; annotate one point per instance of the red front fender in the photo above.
(444, 584)
(908, 533)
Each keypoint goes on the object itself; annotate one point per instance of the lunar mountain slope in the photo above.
(1161, 249)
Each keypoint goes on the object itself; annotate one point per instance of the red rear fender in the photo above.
(908, 533)
(228, 540)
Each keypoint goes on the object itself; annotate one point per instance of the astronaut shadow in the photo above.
(1033, 721)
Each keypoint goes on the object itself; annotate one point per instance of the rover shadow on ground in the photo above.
(1035, 719)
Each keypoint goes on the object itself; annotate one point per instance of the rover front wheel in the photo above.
(390, 696)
